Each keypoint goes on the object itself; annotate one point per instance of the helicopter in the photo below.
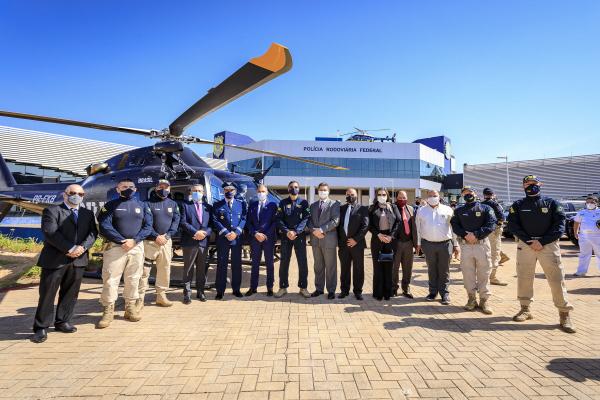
(169, 158)
(362, 135)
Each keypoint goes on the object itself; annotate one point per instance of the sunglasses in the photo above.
(80, 194)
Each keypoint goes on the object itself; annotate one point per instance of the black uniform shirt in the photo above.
(292, 215)
(165, 217)
(122, 219)
(498, 210)
(539, 218)
(473, 217)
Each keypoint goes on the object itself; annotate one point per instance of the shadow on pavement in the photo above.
(576, 369)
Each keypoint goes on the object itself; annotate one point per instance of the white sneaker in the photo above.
(280, 293)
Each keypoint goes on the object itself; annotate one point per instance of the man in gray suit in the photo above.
(322, 225)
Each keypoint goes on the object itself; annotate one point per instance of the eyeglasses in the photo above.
(80, 194)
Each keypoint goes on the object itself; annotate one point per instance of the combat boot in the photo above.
(139, 304)
(131, 312)
(485, 308)
(162, 300)
(503, 258)
(108, 314)
(565, 322)
(494, 279)
(523, 315)
(471, 303)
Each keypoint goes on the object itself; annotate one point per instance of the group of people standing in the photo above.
(136, 230)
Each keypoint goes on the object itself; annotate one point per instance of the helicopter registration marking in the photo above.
(145, 180)
(43, 198)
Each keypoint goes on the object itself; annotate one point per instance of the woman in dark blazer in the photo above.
(383, 223)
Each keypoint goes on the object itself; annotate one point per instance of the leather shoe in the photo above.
(219, 296)
(250, 292)
(39, 336)
(431, 297)
(238, 294)
(330, 296)
(408, 294)
(187, 300)
(201, 297)
(386, 297)
(316, 293)
(270, 292)
(342, 295)
(358, 296)
(65, 327)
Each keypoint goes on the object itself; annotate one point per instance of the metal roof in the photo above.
(44, 149)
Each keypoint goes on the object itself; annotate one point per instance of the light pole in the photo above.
(505, 158)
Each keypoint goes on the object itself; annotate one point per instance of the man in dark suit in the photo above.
(405, 241)
(69, 232)
(195, 231)
(354, 225)
(261, 224)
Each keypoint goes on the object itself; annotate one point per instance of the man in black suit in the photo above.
(69, 232)
(354, 225)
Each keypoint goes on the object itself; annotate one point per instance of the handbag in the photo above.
(386, 257)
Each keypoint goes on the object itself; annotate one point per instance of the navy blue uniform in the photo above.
(498, 210)
(292, 215)
(537, 218)
(476, 218)
(165, 217)
(229, 219)
(122, 219)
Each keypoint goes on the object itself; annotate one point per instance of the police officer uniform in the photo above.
(496, 236)
(121, 219)
(539, 218)
(589, 238)
(165, 217)
(475, 261)
(292, 215)
(229, 215)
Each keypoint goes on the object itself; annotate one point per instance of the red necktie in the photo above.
(199, 212)
(405, 218)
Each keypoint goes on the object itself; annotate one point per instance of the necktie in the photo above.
(320, 208)
(405, 219)
(347, 219)
(74, 215)
(199, 212)
(260, 206)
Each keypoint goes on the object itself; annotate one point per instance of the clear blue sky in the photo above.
(505, 77)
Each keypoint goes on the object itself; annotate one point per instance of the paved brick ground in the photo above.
(261, 348)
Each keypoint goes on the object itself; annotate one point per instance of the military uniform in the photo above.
(119, 220)
(475, 259)
(589, 238)
(292, 215)
(495, 238)
(165, 217)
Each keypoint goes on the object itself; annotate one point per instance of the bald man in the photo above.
(69, 232)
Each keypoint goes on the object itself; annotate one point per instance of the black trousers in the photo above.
(194, 258)
(299, 246)
(66, 281)
(403, 256)
(382, 271)
(352, 265)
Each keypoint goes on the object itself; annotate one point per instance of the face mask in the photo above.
(261, 196)
(127, 193)
(401, 203)
(229, 195)
(469, 198)
(590, 206)
(75, 199)
(196, 196)
(532, 190)
(433, 201)
(351, 199)
(294, 191)
(163, 193)
(381, 199)
(323, 194)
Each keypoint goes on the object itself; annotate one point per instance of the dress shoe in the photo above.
(39, 336)
(250, 292)
(446, 299)
(386, 297)
(237, 293)
(65, 327)
(358, 296)
(187, 300)
(219, 296)
(408, 294)
(330, 296)
(342, 295)
(201, 297)
(431, 297)
(378, 298)
(270, 292)
(316, 293)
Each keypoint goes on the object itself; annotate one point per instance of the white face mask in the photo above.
(590, 206)
(261, 196)
(433, 201)
(323, 194)
(381, 199)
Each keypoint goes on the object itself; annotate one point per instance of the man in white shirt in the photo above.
(586, 227)
(435, 238)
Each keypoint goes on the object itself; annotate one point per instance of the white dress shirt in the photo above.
(587, 219)
(433, 224)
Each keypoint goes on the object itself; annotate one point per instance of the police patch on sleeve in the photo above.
(512, 210)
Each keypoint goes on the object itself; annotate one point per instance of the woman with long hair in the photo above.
(383, 222)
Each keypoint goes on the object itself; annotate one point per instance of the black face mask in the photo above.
(469, 198)
(532, 190)
(163, 193)
(127, 193)
(229, 195)
(293, 191)
(351, 199)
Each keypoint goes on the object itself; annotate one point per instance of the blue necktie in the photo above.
(74, 215)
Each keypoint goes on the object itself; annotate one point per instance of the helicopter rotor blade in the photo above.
(267, 152)
(256, 72)
(72, 122)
